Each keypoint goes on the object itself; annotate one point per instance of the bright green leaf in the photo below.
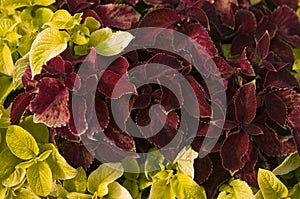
(6, 86)
(44, 155)
(39, 177)
(7, 159)
(61, 192)
(59, 166)
(21, 143)
(19, 70)
(75, 195)
(6, 62)
(61, 19)
(43, 2)
(259, 195)
(161, 189)
(42, 15)
(99, 179)
(270, 186)
(15, 178)
(77, 184)
(3, 191)
(144, 182)
(108, 43)
(25, 193)
(92, 24)
(6, 25)
(132, 187)
(291, 163)
(131, 165)
(26, 164)
(13, 4)
(153, 163)
(184, 187)
(39, 131)
(116, 191)
(81, 50)
(254, 2)
(294, 193)
(235, 189)
(48, 44)
(185, 161)
(4, 117)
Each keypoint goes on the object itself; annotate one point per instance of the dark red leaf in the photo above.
(294, 123)
(198, 15)
(55, 65)
(233, 151)
(77, 155)
(226, 11)
(161, 2)
(167, 60)
(244, 64)
(19, 105)
(265, 24)
(283, 51)
(203, 168)
(119, 66)
(245, 21)
(280, 79)
(65, 133)
(288, 25)
(240, 42)
(291, 4)
(78, 123)
(50, 106)
(263, 45)
(108, 85)
(252, 129)
(272, 144)
(118, 15)
(245, 103)
(276, 109)
(120, 139)
(163, 17)
(142, 101)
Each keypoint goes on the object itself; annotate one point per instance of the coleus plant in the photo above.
(253, 43)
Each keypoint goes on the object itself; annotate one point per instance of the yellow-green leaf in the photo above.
(235, 189)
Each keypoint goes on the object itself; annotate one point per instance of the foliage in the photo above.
(48, 152)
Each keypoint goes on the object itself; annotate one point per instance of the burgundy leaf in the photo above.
(283, 51)
(65, 133)
(50, 106)
(233, 151)
(226, 11)
(119, 66)
(225, 69)
(265, 24)
(252, 129)
(245, 21)
(198, 15)
(244, 64)
(203, 168)
(280, 79)
(288, 25)
(161, 2)
(77, 155)
(167, 60)
(120, 139)
(240, 42)
(118, 15)
(204, 107)
(19, 105)
(163, 17)
(272, 144)
(142, 101)
(132, 2)
(55, 65)
(245, 103)
(248, 173)
(217, 177)
(169, 100)
(294, 123)
(107, 85)
(263, 45)
(78, 123)
(276, 109)
(291, 4)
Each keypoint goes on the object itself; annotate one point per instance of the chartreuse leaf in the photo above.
(39, 131)
(39, 177)
(294, 193)
(132, 187)
(270, 186)
(6, 61)
(116, 191)
(235, 189)
(59, 166)
(26, 164)
(7, 159)
(6, 86)
(185, 161)
(15, 178)
(108, 43)
(42, 16)
(131, 164)
(290, 163)
(61, 192)
(44, 155)
(62, 19)
(21, 143)
(3, 191)
(99, 179)
(4, 117)
(75, 195)
(259, 195)
(153, 163)
(185, 187)
(161, 187)
(92, 24)
(77, 184)
(13, 4)
(43, 2)
(144, 182)
(254, 2)
(48, 44)
(19, 70)
(25, 193)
